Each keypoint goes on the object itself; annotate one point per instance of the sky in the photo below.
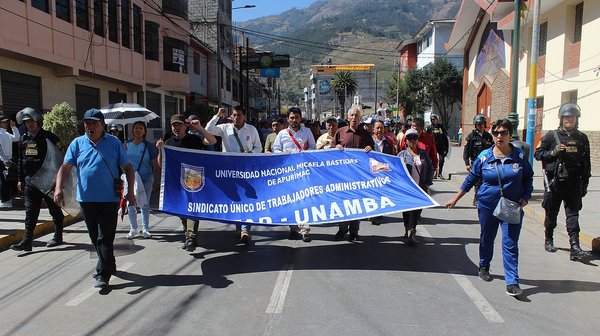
(264, 8)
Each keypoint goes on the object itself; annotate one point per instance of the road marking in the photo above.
(480, 302)
(91, 291)
(280, 291)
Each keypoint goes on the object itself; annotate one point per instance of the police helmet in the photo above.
(479, 119)
(30, 113)
(569, 109)
(434, 116)
(113, 127)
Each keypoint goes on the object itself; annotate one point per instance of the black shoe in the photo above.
(101, 283)
(578, 254)
(22, 246)
(549, 245)
(484, 273)
(514, 290)
(54, 242)
(353, 237)
(411, 238)
(190, 245)
(294, 235)
(306, 238)
(340, 234)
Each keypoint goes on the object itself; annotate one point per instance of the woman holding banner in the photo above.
(420, 168)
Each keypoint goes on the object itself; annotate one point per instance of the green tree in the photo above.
(62, 121)
(443, 85)
(344, 84)
(411, 95)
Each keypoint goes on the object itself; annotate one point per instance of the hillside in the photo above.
(347, 31)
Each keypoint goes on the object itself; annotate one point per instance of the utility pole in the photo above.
(398, 90)
(219, 60)
(532, 101)
(376, 94)
(513, 116)
(247, 97)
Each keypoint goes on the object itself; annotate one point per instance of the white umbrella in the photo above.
(126, 113)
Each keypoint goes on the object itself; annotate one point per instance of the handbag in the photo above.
(506, 210)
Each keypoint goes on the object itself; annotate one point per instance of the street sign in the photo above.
(270, 72)
(265, 61)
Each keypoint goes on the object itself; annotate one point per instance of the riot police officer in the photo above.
(440, 137)
(32, 152)
(475, 143)
(565, 156)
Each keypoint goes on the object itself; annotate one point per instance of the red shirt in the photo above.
(427, 144)
(348, 138)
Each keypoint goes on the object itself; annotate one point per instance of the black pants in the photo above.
(101, 221)
(4, 187)
(411, 218)
(33, 202)
(570, 193)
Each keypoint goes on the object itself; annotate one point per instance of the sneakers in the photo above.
(54, 242)
(306, 238)
(340, 234)
(484, 273)
(131, 234)
(147, 234)
(514, 290)
(244, 237)
(7, 204)
(190, 245)
(101, 283)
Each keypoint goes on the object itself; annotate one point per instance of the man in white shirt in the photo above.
(294, 139)
(6, 140)
(237, 137)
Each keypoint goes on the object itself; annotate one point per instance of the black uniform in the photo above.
(567, 176)
(440, 137)
(32, 152)
(475, 143)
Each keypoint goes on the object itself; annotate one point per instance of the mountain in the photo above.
(345, 31)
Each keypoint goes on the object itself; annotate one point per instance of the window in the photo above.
(154, 104)
(228, 80)
(176, 7)
(41, 5)
(99, 17)
(578, 22)
(63, 10)
(137, 29)
(125, 29)
(543, 39)
(197, 63)
(151, 40)
(174, 57)
(113, 26)
(82, 13)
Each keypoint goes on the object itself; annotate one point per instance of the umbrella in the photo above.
(126, 113)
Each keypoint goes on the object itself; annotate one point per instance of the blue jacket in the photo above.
(516, 173)
(426, 172)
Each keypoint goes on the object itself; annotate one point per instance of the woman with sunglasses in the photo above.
(420, 168)
(508, 164)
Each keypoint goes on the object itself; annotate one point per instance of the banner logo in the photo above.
(377, 166)
(192, 177)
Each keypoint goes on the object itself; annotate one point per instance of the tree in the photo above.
(411, 95)
(344, 84)
(443, 84)
(62, 121)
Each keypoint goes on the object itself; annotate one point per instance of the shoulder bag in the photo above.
(506, 210)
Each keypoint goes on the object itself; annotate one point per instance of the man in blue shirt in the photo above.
(98, 156)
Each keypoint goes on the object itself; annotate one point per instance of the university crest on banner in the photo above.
(192, 177)
(377, 166)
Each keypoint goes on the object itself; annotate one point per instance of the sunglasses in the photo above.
(503, 133)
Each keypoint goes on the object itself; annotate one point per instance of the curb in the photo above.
(538, 216)
(41, 229)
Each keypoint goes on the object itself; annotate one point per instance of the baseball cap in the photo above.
(93, 114)
(412, 134)
(4, 117)
(178, 118)
(192, 117)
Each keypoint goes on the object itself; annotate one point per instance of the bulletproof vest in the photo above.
(437, 132)
(570, 161)
(32, 151)
(478, 143)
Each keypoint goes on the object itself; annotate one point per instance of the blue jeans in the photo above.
(148, 181)
(510, 240)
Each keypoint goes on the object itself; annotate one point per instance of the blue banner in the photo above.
(315, 187)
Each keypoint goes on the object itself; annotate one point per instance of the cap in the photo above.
(331, 120)
(4, 117)
(192, 117)
(178, 118)
(386, 123)
(411, 133)
(91, 114)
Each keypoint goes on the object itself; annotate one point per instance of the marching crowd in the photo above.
(499, 172)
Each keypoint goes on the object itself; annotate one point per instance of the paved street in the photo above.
(279, 287)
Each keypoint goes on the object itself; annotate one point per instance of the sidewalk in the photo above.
(534, 213)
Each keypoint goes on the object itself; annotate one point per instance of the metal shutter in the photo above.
(20, 91)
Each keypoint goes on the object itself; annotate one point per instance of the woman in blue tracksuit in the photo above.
(517, 184)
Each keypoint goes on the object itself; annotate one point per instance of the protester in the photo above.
(183, 139)
(426, 143)
(207, 144)
(238, 137)
(502, 168)
(390, 136)
(294, 139)
(98, 157)
(32, 153)
(324, 141)
(382, 145)
(352, 136)
(420, 168)
(565, 156)
(277, 125)
(143, 157)
(6, 149)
